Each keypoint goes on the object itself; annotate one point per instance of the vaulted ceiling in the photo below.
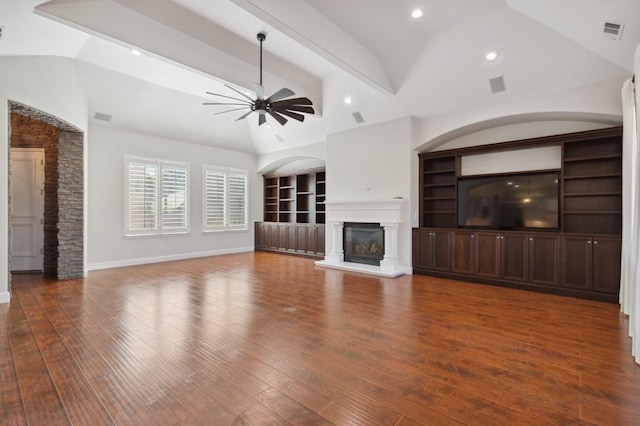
(373, 51)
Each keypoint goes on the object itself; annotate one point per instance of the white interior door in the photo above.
(27, 209)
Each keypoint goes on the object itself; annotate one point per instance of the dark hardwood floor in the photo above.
(261, 338)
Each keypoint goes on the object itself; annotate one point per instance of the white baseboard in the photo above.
(5, 297)
(168, 258)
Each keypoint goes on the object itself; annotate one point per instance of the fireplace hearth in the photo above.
(363, 243)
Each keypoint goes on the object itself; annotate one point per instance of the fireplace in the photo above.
(363, 243)
(366, 214)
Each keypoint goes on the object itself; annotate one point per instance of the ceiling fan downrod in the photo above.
(261, 37)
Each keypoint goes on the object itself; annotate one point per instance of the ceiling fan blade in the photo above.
(294, 101)
(297, 108)
(280, 94)
(230, 110)
(244, 115)
(229, 97)
(291, 114)
(278, 117)
(223, 103)
(259, 89)
(239, 92)
(261, 119)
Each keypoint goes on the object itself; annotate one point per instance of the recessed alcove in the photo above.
(63, 220)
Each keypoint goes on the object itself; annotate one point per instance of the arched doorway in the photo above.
(63, 220)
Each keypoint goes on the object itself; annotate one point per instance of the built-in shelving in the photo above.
(438, 192)
(592, 186)
(580, 258)
(294, 214)
(295, 198)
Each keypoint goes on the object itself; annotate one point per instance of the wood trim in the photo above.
(527, 143)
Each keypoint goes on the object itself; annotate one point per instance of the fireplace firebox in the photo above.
(363, 243)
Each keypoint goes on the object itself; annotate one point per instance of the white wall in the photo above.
(515, 132)
(107, 246)
(374, 163)
(597, 106)
(44, 83)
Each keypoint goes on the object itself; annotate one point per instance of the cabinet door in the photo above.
(606, 265)
(487, 254)
(544, 259)
(283, 236)
(321, 235)
(576, 262)
(271, 235)
(312, 239)
(259, 231)
(422, 252)
(301, 238)
(514, 257)
(463, 248)
(292, 237)
(441, 250)
(431, 249)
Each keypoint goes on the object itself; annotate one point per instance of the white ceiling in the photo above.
(372, 50)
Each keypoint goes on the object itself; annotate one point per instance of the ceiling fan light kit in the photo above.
(276, 105)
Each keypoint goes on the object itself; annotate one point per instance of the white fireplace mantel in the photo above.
(384, 212)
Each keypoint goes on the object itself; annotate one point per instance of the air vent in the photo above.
(497, 84)
(102, 117)
(358, 117)
(612, 30)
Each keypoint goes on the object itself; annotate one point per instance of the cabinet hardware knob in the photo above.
(595, 242)
(530, 239)
(588, 241)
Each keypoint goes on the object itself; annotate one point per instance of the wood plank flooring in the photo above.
(261, 338)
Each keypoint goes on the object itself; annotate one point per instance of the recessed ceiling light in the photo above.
(417, 13)
(268, 126)
(348, 100)
(136, 52)
(491, 56)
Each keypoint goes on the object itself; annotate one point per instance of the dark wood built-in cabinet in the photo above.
(581, 258)
(294, 214)
(438, 182)
(432, 249)
(592, 186)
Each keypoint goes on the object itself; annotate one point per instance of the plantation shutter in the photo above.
(142, 193)
(237, 200)
(156, 196)
(215, 196)
(174, 197)
(225, 199)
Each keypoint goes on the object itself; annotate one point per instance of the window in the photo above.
(157, 196)
(225, 199)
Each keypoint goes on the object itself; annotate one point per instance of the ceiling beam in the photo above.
(170, 31)
(304, 24)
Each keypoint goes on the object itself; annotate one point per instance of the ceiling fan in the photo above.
(275, 105)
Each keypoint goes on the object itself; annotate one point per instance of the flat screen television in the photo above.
(513, 201)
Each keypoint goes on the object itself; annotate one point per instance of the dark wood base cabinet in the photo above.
(578, 266)
(302, 239)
